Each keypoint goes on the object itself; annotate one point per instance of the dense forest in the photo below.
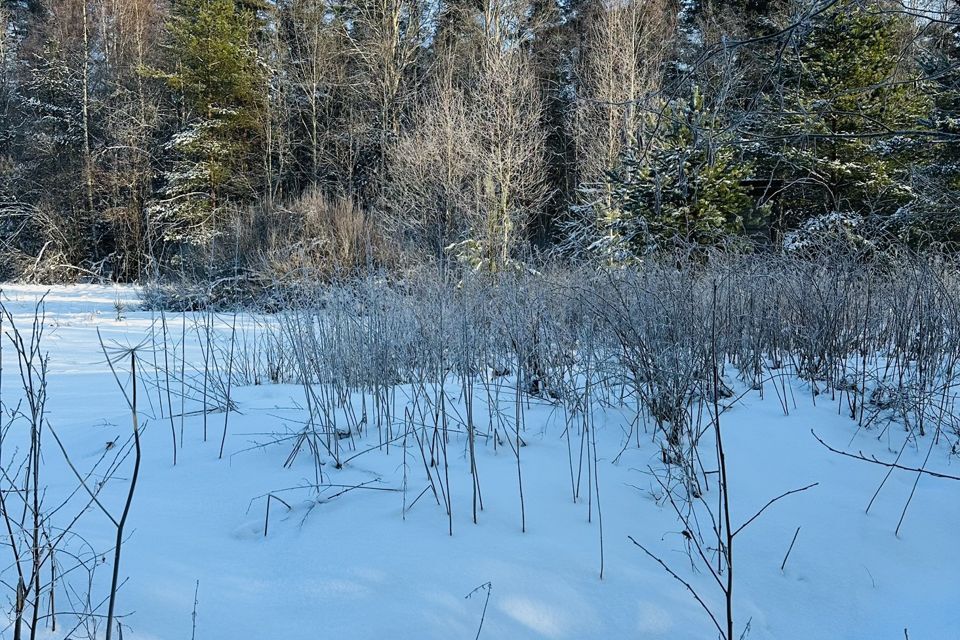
(143, 137)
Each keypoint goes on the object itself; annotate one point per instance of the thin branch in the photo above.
(861, 456)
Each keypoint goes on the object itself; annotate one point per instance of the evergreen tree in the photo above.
(690, 185)
(933, 215)
(50, 129)
(215, 70)
(842, 138)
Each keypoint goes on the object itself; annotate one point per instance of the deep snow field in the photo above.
(354, 565)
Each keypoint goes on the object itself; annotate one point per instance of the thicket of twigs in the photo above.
(675, 341)
(439, 365)
(50, 573)
(878, 332)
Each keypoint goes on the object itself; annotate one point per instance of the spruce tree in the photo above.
(933, 215)
(215, 71)
(50, 125)
(689, 184)
(842, 138)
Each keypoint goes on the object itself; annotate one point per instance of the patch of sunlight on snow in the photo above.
(339, 587)
(537, 616)
(653, 619)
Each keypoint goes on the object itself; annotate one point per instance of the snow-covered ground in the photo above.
(356, 566)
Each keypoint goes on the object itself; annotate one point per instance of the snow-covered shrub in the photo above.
(321, 236)
(836, 229)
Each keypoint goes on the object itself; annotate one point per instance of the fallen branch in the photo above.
(860, 456)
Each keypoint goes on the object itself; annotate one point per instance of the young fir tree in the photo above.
(50, 135)
(947, 108)
(215, 71)
(690, 184)
(932, 216)
(846, 113)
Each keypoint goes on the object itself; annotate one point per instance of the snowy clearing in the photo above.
(369, 555)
